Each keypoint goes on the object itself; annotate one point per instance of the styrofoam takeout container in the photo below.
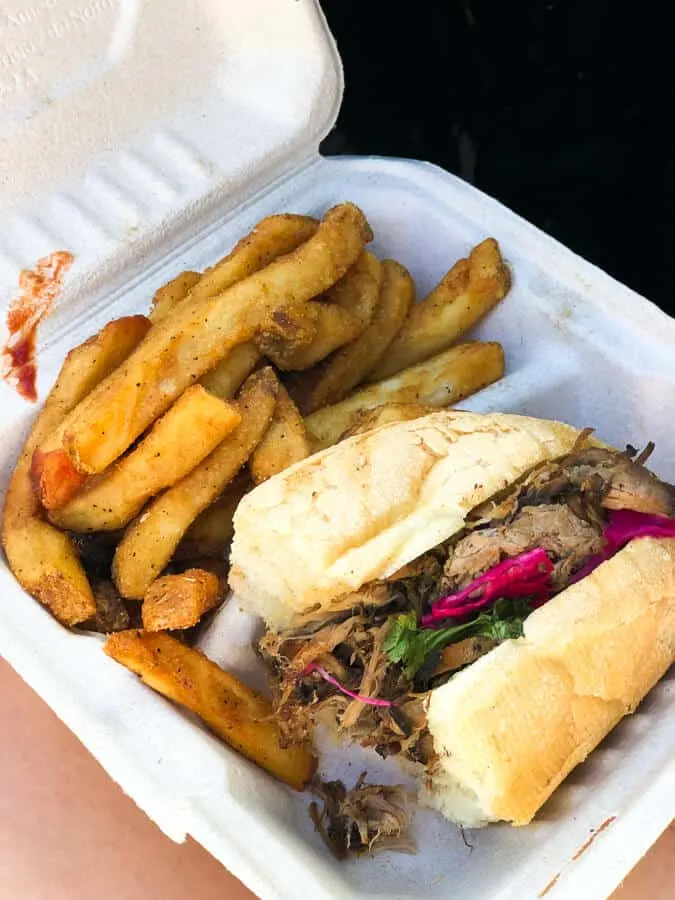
(146, 140)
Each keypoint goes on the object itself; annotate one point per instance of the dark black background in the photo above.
(562, 110)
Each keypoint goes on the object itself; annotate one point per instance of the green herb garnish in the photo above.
(411, 646)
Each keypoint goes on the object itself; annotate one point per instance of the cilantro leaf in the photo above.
(409, 645)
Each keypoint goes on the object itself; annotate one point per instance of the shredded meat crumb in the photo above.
(369, 818)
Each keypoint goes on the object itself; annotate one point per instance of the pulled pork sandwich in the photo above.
(483, 596)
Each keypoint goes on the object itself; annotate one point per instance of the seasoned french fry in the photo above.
(179, 441)
(54, 478)
(212, 530)
(469, 291)
(45, 561)
(228, 376)
(238, 715)
(150, 540)
(334, 378)
(217, 567)
(272, 237)
(285, 441)
(196, 335)
(367, 419)
(170, 294)
(175, 602)
(298, 337)
(440, 381)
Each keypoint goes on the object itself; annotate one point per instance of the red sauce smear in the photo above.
(39, 288)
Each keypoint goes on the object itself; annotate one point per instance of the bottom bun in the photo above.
(508, 729)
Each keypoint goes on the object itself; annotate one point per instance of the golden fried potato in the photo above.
(151, 539)
(178, 441)
(367, 419)
(45, 561)
(440, 381)
(469, 291)
(211, 532)
(296, 337)
(272, 237)
(331, 380)
(174, 602)
(238, 715)
(285, 441)
(228, 376)
(197, 335)
(170, 295)
(217, 567)
(54, 477)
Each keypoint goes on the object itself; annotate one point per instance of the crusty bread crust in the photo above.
(513, 725)
(510, 727)
(360, 510)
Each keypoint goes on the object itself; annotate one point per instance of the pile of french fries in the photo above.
(118, 516)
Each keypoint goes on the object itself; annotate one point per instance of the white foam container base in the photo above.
(579, 347)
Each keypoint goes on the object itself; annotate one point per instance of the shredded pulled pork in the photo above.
(351, 651)
(560, 506)
(369, 818)
(605, 477)
(567, 538)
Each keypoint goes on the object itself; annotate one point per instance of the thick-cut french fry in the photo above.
(228, 376)
(272, 237)
(334, 378)
(241, 717)
(175, 602)
(211, 532)
(177, 442)
(53, 476)
(298, 337)
(440, 381)
(45, 561)
(469, 291)
(367, 419)
(170, 294)
(150, 541)
(197, 334)
(285, 441)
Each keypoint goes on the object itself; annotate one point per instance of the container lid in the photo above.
(121, 120)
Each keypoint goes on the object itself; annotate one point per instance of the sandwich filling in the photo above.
(368, 668)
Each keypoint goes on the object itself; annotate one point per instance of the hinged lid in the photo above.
(121, 120)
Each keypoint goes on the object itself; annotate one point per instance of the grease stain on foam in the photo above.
(552, 883)
(559, 303)
(584, 847)
(595, 832)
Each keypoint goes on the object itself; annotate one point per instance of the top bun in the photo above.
(360, 510)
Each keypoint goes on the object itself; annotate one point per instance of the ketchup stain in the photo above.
(38, 289)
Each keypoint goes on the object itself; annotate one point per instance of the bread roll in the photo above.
(509, 728)
(360, 510)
